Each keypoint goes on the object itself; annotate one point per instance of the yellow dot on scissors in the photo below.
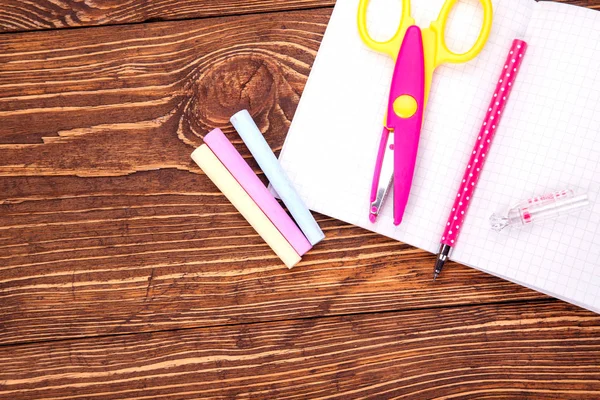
(405, 106)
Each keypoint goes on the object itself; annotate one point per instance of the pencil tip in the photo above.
(372, 217)
(440, 260)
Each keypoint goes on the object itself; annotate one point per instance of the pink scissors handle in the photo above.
(405, 115)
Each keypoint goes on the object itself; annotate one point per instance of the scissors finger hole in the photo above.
(383, 18)
(463, 26)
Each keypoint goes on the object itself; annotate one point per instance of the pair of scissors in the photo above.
(417, 52)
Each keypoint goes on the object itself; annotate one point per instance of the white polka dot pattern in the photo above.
(484, 141)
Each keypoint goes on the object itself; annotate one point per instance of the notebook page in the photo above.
(550, 140)
(332, 144)
(331, 147)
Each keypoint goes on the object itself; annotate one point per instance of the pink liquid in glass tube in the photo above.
(540, 208)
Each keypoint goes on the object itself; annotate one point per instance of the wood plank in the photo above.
(594, 4)
(536, 351)
(162, 250)
(107, 227)
(27, 15)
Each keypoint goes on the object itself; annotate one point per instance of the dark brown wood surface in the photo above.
(27, 15)
(85, 205)
(109, 234)
(538, 350)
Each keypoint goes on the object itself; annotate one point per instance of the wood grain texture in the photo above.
(27, 15)
(146, 252)
(493, 352)
(106, 226)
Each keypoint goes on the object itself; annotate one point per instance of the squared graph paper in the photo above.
(549, 138)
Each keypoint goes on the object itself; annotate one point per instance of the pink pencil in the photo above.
(480, 151)
(242, 172)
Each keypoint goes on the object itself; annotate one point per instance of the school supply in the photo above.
(235, 193)
(417, 54)
(539, 208)
(549, 138)
(480, 153)
(260, 149)
(243, 174)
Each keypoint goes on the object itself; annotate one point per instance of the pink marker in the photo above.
(242, 173)
(480, 152)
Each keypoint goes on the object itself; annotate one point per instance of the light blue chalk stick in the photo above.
(260, 149)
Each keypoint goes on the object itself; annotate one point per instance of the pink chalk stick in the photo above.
(241, 171)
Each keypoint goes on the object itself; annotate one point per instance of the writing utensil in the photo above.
(235, 193)
(260, 149)
(481, 150)
(417, 52)
(241, 171)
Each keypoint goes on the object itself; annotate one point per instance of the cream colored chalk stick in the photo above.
(222, 178)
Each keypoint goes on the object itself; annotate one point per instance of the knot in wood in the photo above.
(246, 81)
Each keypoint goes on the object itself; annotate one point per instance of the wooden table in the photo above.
(125, 274)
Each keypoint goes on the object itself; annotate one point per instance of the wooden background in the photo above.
(125, 274)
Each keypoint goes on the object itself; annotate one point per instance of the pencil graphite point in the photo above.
(441, 259)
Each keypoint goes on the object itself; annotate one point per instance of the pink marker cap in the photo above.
(241, 171)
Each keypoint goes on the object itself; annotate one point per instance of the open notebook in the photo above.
(549, 138)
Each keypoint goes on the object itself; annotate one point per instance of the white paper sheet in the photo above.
(549, 138)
